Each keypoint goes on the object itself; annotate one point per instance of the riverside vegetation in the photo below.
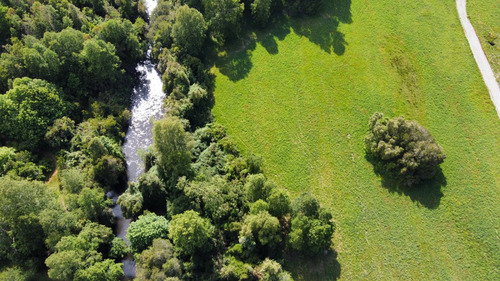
(202, 209)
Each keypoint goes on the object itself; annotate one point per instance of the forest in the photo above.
(201, 211)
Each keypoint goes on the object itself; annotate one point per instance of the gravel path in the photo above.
(479, 56)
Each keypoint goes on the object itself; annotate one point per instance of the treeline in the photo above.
(67, 69)
(202, 210)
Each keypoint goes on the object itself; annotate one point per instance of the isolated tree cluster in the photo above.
(404, 147)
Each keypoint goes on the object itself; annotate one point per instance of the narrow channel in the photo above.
(147, 104)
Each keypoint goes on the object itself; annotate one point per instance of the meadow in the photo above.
(300, 94)
(484, 15)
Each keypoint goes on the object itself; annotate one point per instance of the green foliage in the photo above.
(29, 109)
(217, 199)
(131, 202)
(72, 180)
(261, 10)
(223, 18)
(271, 270)
(262, 229)
(4, 25)
(122, 34)
(93, 202)
(119, 249)
(191, 233)
(19, 164)
(21, 203)
(303, 7)
(57, 223)
(15, 274)
(258, 206)
(63, 265)
(174, 145)
(279, 203)
(307, 205)
(145, 229)
(152, 189)
(258, 187)
(310, 236)
(61, 132)
(158, 262)
(109, 171)
(106, 270)
(101, 64)
(77, 256)
(404, 147)
(188, 31)
(236, 270)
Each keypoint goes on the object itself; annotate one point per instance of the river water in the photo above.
(147, 105)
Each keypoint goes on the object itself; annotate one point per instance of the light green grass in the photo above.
(301, 95)
(485, 17)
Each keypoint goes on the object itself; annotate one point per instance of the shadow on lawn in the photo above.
(321, 267)
(321, 30)
(427, 193)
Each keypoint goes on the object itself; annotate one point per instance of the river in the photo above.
(147, 104)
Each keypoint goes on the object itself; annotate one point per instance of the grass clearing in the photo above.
(300, 94)
(485, 17)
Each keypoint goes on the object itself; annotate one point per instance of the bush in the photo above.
(404, 147)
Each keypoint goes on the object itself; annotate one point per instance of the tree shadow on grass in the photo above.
(321, 267)
(427, 193)
(234, 60)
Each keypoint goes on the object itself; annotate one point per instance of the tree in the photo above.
(263, 229)
(311, 226)
(4, 25)
(188, 31)
(158, 262)
(307, 205)
(271, 270)
(258, 187)
(75, 255)
(122, 35)
(131, 202)
(153, 190)
(106, 270)
(61, 132)
(21, 202)
(191, 233)
(279, 203)
(101, 64)
(174, 148)
(310, 236)
(261, 10)
(119, 249)
(404, 147)
(223, 17)
(92, 201)
(145, 229)
(29, 109)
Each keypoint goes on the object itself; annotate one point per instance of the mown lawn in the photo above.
(485, 17)
(300, 94)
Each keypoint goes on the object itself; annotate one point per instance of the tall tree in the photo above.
(189, 30)
(174, 145)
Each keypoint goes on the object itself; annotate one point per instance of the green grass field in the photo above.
(485, 17)
(300, 94)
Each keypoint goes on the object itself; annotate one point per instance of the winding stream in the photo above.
(147, 100)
